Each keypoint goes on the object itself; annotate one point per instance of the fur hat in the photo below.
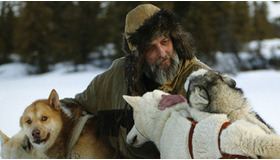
(144, 24)
(136, 17)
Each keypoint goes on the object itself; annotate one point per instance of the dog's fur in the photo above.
(18, 147)
(169, 130)
(51, 130)
(215, 92)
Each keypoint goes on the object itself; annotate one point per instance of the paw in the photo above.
(26, 145)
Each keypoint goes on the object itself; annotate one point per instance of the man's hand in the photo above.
(170, 100)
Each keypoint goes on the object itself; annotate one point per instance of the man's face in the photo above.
(162, 61)
(159, 52)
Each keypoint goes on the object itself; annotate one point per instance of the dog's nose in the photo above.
(36, 133)
(133, 141)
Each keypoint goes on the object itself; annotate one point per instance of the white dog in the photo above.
(169, 130)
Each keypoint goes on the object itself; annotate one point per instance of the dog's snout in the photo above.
(36, 133)
(134, 140)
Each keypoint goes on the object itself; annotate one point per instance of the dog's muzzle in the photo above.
(36, 134)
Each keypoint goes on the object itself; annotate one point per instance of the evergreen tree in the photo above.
(225, 25)
(7, 24)
(201, 19)
(216, 26)
(261, 25)
(33, 30)
(276, 24)
(61, 24)
(115, 22)
(262, 30)
(241, 27)
(276, 27)
(86, 30)
(3, 54)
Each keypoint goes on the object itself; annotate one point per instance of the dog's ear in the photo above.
(21, 122)
(54, 100)
(199, 98)
(132, 100)
(229, 81)
(3, 138)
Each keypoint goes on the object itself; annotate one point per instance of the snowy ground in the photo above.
(262, 89)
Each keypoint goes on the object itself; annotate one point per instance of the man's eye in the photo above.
(151, 48)
(164, 42)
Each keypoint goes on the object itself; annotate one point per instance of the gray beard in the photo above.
(161, 76)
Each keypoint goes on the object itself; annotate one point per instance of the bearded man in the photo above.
(159, 55)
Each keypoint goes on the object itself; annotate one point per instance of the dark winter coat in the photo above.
(103, 96)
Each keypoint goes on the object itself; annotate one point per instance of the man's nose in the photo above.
(161, 51)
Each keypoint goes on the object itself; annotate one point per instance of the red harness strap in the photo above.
(224, 155)
(191, 136)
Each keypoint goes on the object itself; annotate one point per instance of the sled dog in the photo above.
(52, 130)
(214, 92)
(169, 130)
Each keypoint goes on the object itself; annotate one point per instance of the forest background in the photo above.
(42, 34)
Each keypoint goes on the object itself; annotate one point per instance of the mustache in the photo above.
(159, 60)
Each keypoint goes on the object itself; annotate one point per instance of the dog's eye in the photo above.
(28, 121)
(44, 118)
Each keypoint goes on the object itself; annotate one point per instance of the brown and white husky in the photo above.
(50, 129)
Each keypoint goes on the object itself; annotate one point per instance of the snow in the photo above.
(13, 70)
(228, 62)
(273, 10)
(262, 89)
(270, 48)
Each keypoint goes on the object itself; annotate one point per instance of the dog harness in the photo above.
(224, 155)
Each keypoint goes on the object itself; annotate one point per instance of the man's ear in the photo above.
(199, 98)
(54, 100)
(132, 100)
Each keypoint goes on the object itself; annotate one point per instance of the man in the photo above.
(159, 55)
